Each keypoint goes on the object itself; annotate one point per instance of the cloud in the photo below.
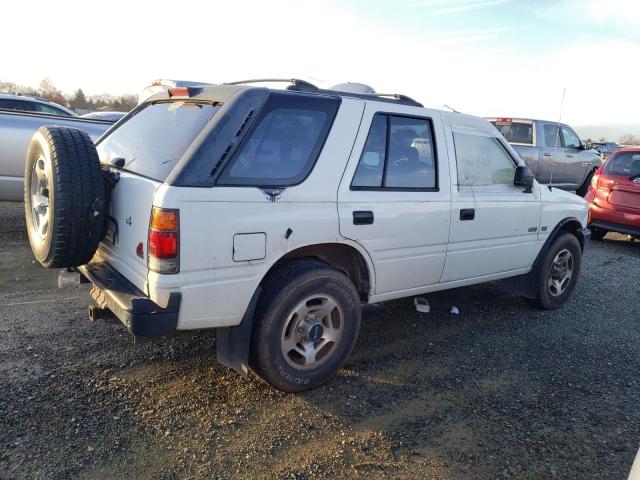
(437, 7)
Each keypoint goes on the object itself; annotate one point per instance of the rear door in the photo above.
(394, 196)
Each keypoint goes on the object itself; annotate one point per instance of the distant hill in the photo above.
(611, 133)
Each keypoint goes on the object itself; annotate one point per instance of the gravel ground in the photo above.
(499, 391)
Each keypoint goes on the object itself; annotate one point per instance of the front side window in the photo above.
(482, 161)
(284, 143)
(570, 139)
(48, 109)
(399, 153)
(551, 135)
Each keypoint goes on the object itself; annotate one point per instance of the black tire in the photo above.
(584, 188)
(285, 289)
(73, 189)
(545, 300)
(597, 234)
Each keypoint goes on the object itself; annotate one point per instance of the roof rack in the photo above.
(398, 96)
(304, 86)
(295, 82)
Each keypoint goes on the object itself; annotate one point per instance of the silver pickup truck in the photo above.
(16, 130)
(553, 151)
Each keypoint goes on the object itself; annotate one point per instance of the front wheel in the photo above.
(307, 322)
(584, 188)
(559, 272)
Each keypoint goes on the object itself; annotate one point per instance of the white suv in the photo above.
(273, 215)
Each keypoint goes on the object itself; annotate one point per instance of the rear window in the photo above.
(516, 132)
(153, 140)
(623, 163)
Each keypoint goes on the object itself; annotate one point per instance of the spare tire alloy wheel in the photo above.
(40, 175)
(64, 197)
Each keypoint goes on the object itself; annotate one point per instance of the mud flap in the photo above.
(234, 343)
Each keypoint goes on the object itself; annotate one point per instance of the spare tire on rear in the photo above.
(64, 197)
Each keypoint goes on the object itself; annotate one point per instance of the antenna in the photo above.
(450, 108)
(555, 144)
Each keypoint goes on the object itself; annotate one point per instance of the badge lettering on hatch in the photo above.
(127, 220)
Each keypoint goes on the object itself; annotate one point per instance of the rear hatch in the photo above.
(621, 176)
(143, 151)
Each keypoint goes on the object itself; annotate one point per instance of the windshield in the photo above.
(623, 163)
(153, 140)
(516, 132)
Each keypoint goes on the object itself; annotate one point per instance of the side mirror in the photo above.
(586, 145)
(524, 178)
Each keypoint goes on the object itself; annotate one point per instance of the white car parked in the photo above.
(274, 215)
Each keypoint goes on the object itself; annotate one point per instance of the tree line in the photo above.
(76, 101)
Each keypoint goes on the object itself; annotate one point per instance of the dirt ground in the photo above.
(501, 390)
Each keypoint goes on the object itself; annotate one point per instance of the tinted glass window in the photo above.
(407, 161)
(10, 104)
(551, 135)
(482, 161)
(48, 109)
(516, 132)
(571, 140)
(371, 164)
(623, 163)
(410, 162)
(284, 143)
(156, 137)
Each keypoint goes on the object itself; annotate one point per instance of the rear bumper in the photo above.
(139, 313)
(614, 220)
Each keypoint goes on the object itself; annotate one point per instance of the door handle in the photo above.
(570, 155)
(548, 155)
(363, 217)
(467, 214)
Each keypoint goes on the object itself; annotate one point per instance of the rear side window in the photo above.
(153, 140)
(399, 154)
(482, 161)
(282, 146)
(11, 104)
(516, 132)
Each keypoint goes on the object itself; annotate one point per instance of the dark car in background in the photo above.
(28, 103)
(605, 149)
(614, 195)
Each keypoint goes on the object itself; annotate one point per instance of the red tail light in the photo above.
(164, 241)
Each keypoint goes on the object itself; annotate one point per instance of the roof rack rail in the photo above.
(398, 96)
(295, 82)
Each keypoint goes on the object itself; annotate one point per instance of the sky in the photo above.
(484, 57)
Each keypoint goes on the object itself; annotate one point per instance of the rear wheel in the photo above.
(597, 234)
(64, 197)
(306, 325)
(559, 272)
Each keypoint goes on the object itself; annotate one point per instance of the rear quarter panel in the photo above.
(216, 289)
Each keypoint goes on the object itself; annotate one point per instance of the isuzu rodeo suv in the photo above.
(274, 215)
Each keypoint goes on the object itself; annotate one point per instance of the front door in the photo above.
(394, 196)
(494, 223)
(553, 156)
(576, 159)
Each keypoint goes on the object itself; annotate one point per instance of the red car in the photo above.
(614, 195)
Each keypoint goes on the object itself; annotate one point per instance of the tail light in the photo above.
(164, 241)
